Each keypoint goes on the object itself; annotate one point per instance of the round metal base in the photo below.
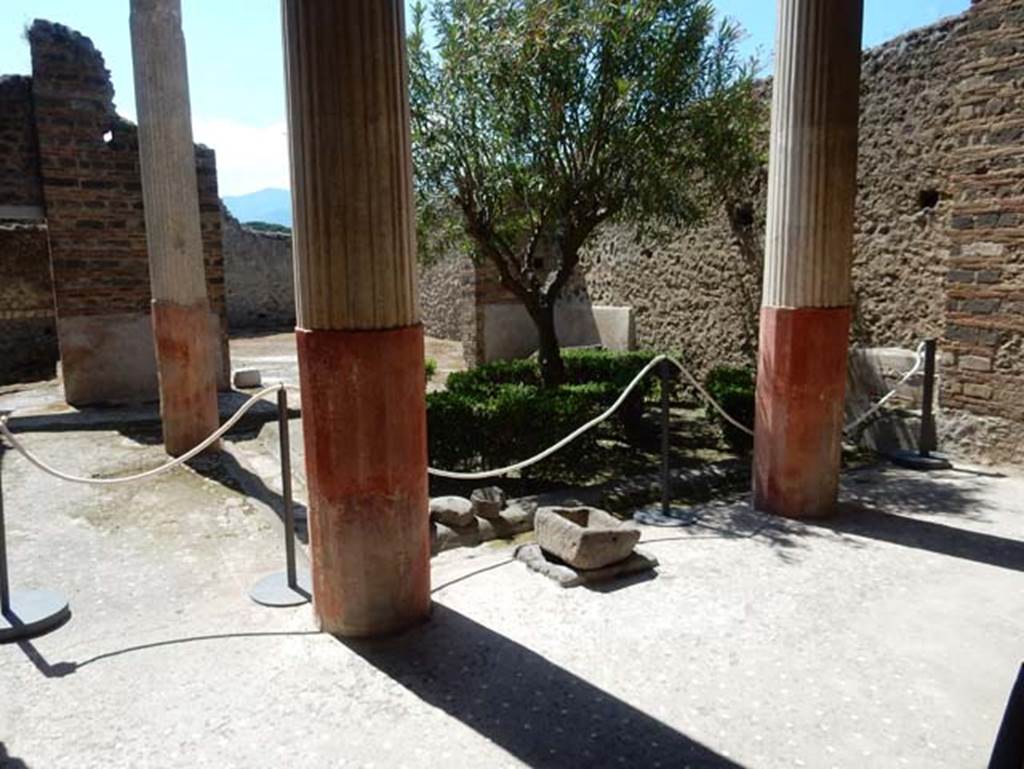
(274, 590)
(32, 613)
(654, 515)
(915, 461)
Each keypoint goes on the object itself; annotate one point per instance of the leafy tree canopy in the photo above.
(534, 121)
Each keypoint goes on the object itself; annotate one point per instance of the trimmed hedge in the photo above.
(500, 413)
(733, 388)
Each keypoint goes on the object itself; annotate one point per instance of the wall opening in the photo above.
(927, 199)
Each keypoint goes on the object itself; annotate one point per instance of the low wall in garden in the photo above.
(509, 332)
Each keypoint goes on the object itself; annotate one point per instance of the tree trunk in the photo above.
(549, 354)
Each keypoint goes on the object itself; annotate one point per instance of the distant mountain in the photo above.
(270, 205)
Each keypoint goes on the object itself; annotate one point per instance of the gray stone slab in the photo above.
(566, 576)
(452, 511)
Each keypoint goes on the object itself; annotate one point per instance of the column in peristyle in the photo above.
(185, 338)
(805, 314)
(360, 341)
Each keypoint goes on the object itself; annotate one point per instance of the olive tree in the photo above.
(536, 121)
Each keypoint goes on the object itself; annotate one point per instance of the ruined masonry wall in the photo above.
(89, 163)
(28, 341)
(258, 277)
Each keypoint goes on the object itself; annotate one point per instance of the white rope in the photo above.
(451, 473)
(554, 447)
(918, 363)
(592, 424)
(138, 476)
(707, 396)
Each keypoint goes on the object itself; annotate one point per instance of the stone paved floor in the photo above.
(886, 637)
(274, 355)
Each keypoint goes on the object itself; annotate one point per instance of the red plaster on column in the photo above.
(364, 425)
(186, 367)
(801, 385)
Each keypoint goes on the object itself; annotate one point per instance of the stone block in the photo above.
(512, 521)
(978, 391)
(989, 276)
(975, 363)
(452, 511)
(960, 276)
(984, 248)
(584, 537)
(488, 502)
(980, 306)
(247, 377)
(445, 537)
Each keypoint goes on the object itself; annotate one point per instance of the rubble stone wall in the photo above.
(258, 277)
(443, 296)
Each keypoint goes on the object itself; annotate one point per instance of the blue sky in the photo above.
(235, 70)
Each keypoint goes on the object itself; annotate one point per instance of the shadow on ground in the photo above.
(62, 669)
(540, 713)
(8, 761)
(918, 511)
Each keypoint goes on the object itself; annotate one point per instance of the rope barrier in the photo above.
(918, 363)
(148, 473)
(483, 474)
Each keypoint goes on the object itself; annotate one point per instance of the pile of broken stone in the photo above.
(486, 515)
(574, 545)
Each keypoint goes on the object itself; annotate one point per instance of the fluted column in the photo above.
(805, 315)
(186, 340)
(360, 340)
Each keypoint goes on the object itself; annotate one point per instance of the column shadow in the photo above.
(7, 761)
(863, 520)
(224, 468)
(540, 713)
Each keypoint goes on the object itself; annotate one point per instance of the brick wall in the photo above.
(984, 284)
(28, 340)
(89, 162)
(19, 154)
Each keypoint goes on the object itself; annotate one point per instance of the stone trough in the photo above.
(583, 545)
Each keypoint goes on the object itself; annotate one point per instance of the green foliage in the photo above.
(734, 389)
(534, 121)
(500, 413)
(268, 227)
(430, 366)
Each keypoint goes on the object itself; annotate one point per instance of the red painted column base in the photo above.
(364, 426)
(185, 355)
(801, 385)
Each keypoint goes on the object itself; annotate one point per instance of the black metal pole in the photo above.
(666, 494)
(286, 485)
(927, 439)
(5, 590)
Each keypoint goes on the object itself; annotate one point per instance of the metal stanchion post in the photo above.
(25, 613)
(927, 439)
(666, 490)
(290, 587)
(665, 514)
(925, 458)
